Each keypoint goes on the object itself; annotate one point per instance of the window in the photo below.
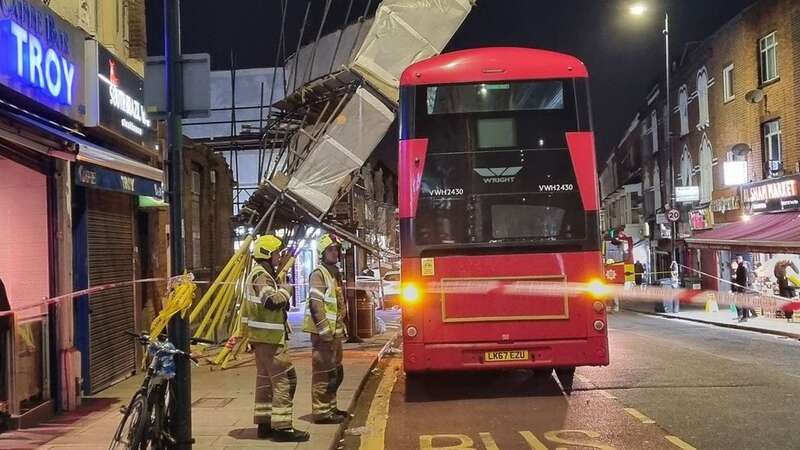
(496, 97)
(686, 167)
(654, 130)
(706, 170)
(727, 84)
(768, 49)
(196, 244)
(702, 99)
(772, 144)
(683, 108)
(657, 186)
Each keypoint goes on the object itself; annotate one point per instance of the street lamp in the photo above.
(639, 9)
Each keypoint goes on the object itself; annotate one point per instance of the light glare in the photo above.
(638, 9)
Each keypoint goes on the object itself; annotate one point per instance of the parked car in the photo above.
(391, 289)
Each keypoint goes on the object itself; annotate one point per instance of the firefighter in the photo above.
(265, 321)
(324, 319)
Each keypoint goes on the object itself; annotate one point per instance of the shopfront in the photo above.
(764, 230)
(41, 100)
(109, 227)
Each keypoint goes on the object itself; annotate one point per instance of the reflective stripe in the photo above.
(331, 300)
(318, 292)
(254, 298)
(331, 316)
(265, 325)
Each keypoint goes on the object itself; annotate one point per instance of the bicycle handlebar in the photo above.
(160, 346)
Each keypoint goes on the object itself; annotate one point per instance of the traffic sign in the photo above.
(673, 215)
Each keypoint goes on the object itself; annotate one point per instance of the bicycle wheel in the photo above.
(130, 431)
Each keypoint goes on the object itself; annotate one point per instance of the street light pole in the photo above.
(668, 127)
(178, 327)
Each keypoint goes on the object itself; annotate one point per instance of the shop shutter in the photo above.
(110, 239)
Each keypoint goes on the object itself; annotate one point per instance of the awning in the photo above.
(87, 151)
(764, 232)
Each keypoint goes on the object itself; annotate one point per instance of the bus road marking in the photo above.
(678, 442)
(378, 414)
(641, 417)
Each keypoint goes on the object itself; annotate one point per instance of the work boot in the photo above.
(329, 419)
(264, 430)
(339, 412)
(289, 435)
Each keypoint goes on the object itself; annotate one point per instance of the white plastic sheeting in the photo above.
(327, 55)
(404, 32)
(342, 149)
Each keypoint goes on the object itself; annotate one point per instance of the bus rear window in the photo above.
(539, 95)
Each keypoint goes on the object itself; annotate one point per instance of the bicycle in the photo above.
(145, 421)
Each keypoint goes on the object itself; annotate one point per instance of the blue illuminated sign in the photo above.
(38, 55)
(35, 64)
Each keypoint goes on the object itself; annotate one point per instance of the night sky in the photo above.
(624, 54)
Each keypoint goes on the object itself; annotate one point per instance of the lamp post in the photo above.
(639, 9)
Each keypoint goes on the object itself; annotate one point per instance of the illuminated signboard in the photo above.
(40, 56)
(117, 97)
(781, 194)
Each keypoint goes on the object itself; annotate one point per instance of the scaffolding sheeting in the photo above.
(404, 32)
(341, 149)
(332, 54)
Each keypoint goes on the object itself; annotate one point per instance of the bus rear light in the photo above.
(599, 325)
(411, 332)
(410, 293)
(599, 307)
(598, 289)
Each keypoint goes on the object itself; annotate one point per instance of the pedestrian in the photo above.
(742, 282)
(265, 323)
(638, 270)
(784, 290)
(324, 319)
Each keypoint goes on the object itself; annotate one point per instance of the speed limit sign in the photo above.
(673, 215)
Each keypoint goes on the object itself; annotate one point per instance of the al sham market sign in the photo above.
(40, 55)
(779, 194)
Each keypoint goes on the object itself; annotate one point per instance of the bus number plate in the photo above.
(501, 356)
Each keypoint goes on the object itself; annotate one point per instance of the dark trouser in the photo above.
(327, 374)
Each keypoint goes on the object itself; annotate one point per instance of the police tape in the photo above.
(514, 288)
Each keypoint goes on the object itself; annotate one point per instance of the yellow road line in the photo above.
(642, 418)
(379, 409)
(607, 395)
(678, 442)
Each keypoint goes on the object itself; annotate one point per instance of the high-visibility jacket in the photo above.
(325, 308)
(263, 324)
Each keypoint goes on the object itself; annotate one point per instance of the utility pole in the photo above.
(667, 125)
(178, 326)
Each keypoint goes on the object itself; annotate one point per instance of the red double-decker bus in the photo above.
(498, 186)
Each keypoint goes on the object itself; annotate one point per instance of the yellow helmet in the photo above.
(265, 246)
(325, 241)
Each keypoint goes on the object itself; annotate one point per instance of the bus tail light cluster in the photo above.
(411, 331)
(410, 293)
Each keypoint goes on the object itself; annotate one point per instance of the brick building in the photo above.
(735, 126)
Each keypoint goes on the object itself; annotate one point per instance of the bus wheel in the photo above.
(566, 375)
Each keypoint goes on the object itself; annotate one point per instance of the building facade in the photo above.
(81, 196)
(735, 133)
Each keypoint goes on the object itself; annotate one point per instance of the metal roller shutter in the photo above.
(110, 238)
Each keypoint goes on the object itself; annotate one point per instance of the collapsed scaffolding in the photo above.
(343, 95)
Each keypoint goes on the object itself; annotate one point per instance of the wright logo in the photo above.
(499, 175)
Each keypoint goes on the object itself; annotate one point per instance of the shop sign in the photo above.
(687, 194)
(701, 219)
(117, 97)
(781, 194)
(102, 178)
(725, 204)
(40, 54)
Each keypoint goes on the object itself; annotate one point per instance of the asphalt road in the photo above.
(671, 384)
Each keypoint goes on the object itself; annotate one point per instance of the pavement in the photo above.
(222, 403)
(724, 318)
(671, 384)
